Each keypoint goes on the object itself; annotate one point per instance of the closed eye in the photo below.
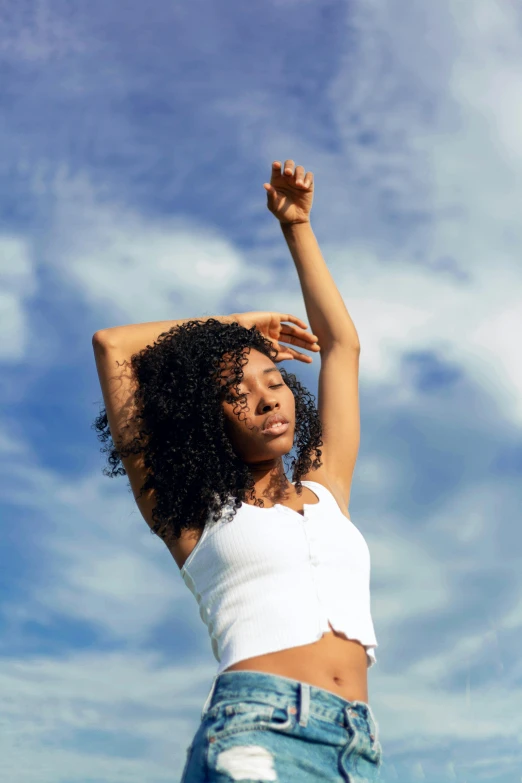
(245, 394)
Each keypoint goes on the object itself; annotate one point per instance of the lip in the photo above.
(273, 418)
(277, 429)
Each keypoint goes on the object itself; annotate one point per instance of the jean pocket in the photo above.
(244, 716)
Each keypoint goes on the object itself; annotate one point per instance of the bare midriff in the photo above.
(334, 663)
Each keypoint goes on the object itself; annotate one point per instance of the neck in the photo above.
(270, 481)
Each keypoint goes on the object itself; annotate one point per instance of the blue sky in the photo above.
(135, 142)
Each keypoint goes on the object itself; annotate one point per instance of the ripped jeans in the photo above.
(258, 727)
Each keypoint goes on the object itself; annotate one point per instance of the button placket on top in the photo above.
(314, 563)
(314, 560)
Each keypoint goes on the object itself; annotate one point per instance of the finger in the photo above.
(291, 354)
(309, 180)
(303, 339)
(300, 344)
(301, 357)
(299, 175)
(289, 168)
(300, 340)
(300, 333)
(277, 172)
(293, 319)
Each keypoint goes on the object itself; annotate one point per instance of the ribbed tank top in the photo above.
(271, 579)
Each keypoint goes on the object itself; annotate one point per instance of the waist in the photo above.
(333, 663)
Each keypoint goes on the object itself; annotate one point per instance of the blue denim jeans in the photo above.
(262, 727)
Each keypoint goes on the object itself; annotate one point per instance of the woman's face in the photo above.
(266, 394)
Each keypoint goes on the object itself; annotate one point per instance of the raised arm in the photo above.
(289, 197)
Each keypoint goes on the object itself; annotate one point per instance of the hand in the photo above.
(289, 194)
(272, 327)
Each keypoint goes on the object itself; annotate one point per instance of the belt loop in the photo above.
(209, 697)
(304, 707)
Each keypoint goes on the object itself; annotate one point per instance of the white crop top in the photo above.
(271, 579)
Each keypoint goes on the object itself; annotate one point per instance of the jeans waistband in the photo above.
(243, 683)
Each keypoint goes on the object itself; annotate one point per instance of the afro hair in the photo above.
(179, 424)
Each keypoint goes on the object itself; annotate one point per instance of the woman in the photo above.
(199, 416)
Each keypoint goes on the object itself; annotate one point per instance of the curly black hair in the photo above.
(179, 424)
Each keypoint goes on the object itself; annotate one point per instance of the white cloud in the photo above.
(51, 705)
(135, 268)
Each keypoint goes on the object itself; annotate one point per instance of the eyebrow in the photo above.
(265, 372)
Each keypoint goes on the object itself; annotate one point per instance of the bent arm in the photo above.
(113, 349)
(128, 340)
